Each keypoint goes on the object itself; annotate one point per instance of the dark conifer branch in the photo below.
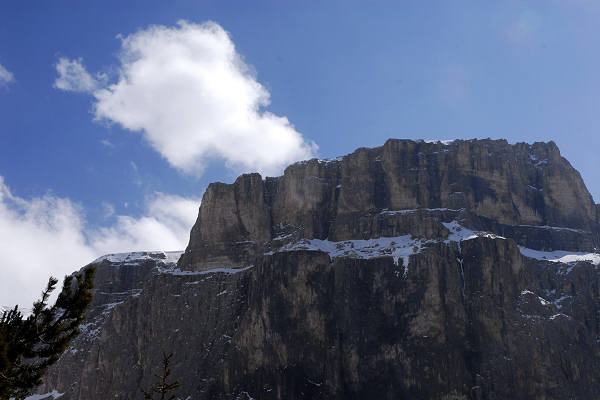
(29, 346)
(162, 386)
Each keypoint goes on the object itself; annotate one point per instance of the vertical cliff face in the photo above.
(510, 184)
(119, 279)
(463, 270)
(238, 219)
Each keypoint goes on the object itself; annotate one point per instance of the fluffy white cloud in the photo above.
(166, 226)
(47, 236)
(5, 75)
(38, 237)
(72, 76)
(191, 95)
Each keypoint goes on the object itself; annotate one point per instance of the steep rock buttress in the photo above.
(511, 185)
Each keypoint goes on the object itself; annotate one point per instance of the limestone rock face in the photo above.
(512, 185)
(416, 270)
(119, 278)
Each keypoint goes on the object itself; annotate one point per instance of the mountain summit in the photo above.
(418, 270)
(355, 197)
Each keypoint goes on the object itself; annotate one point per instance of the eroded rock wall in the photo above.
(119, 279)
(415, 270)
(470, 321)
(512, 185)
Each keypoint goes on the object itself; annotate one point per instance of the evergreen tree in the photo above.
(28, 346)
(162, 386)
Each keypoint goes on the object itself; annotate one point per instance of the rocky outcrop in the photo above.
(474, 321)
(416, 270)
(238, 221)
(119, 278)
(512, 185)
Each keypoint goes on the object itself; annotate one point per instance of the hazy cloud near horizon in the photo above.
(193, 98)
(48, 235)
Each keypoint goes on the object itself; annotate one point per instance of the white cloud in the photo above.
(190, 94)
(73, 77)
(108, 210)
(137, 179)
(5, 75)
(38, 237)
(166, 226)
(107, 143)
(47, 236)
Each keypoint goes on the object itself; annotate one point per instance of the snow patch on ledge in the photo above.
(54, 394)
(542, 301)
(458, 233)
(414, 210)
(224, 270)
(445, 142)
(167, 257)
(329, 160)
(556, 228)
(561, 256)
(397, 247)
(319, 160)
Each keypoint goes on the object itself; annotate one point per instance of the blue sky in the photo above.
(112, 123)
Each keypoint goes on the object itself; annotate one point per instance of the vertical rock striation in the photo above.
(512, 185)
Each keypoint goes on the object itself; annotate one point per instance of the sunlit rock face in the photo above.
(416, 270)
(512, 185)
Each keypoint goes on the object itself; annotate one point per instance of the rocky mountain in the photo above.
(416, 270)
